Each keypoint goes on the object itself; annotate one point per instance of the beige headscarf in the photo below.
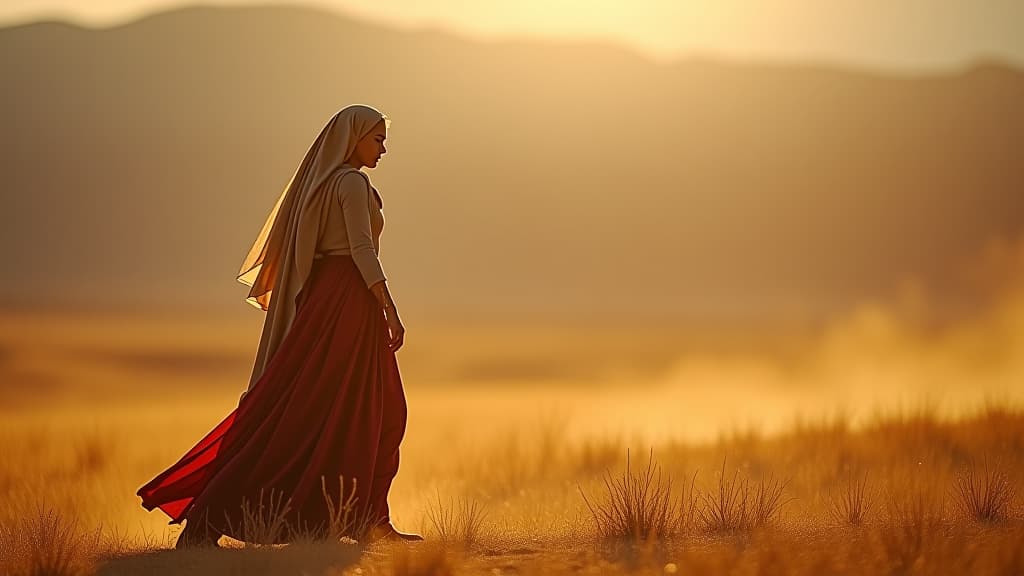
(280, 260)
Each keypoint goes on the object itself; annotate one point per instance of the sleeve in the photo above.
(355, 206)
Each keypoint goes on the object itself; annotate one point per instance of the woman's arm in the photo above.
(380, 290)
(395, 328)
(354, 196)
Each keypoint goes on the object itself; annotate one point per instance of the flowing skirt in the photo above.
(328, 412)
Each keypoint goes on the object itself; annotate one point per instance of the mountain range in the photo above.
(525, 179)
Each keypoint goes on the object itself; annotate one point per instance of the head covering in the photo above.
(280, 259)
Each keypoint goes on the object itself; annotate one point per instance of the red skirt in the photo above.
(328, 409)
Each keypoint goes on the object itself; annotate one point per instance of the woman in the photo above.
(325, 411)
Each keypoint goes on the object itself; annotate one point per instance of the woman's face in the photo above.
(370, 148)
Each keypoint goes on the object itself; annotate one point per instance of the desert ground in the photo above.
(869, 447)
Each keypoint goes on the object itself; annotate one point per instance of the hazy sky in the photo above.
(886, 33)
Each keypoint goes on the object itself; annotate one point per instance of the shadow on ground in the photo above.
(306, 558)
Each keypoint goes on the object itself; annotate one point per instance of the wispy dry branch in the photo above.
(263, 523)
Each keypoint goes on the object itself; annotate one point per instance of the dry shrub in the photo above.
(47, 544)
(737, 506)
(985, 495)
(852, 505)
(344, 519)
(460, 521)
(340, 516)
(637, 506)
(263, 523)
(267, 523)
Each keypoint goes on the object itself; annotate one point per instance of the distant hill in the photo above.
(525, 180)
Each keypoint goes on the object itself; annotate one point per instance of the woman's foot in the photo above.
(387, 532)
(193, 536)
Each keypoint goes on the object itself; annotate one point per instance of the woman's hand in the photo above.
(395, 328)
(396, 331)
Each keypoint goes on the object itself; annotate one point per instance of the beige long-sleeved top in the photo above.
(353, 223)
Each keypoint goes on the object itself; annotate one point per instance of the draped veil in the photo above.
(279, 262)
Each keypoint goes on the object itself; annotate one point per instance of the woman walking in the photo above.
(325, 410)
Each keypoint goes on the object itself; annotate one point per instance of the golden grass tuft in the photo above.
(851, 505)
(737, 506)
(47, 543)
(638, 506)
(344, 519)
(983, 495)
(460, 521)
(263, 523)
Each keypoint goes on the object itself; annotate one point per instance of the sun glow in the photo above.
(874, 33)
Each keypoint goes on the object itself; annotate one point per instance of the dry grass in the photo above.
(641, 506)
(898, 480)
(47, 543)
(736, 505)
(853, 504)
(344, 520)
(636, 505)
(263, 523)
(769, 498)
(459, 522)
(688, 507)
(984, 495)
(725, 509)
